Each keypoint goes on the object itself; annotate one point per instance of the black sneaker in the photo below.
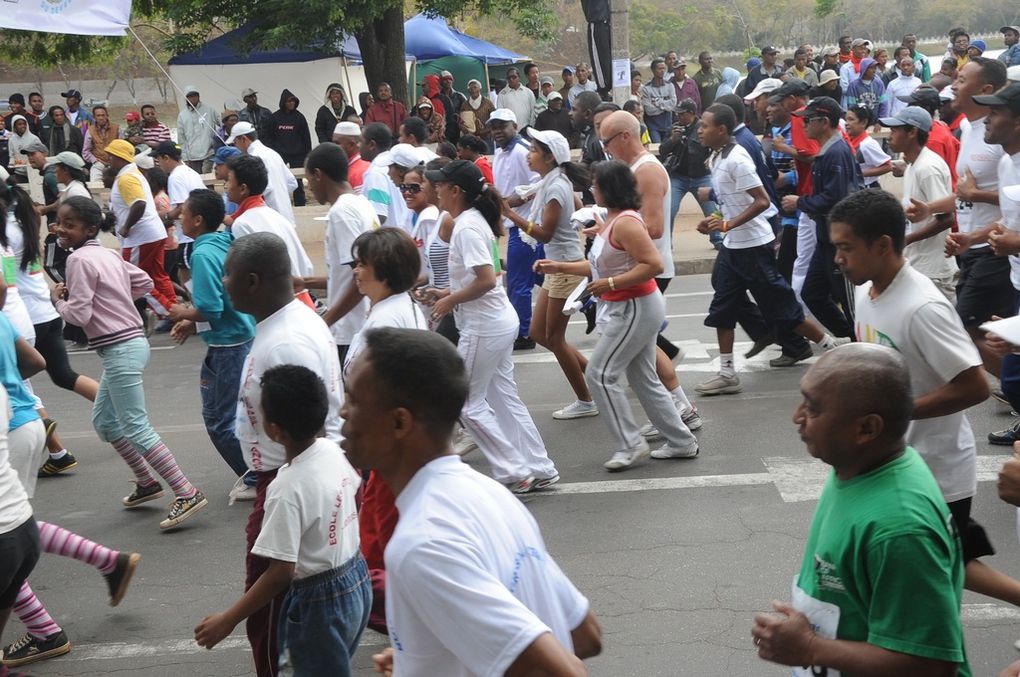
(524, 343)
(119, 579)
(30, 649)
(143, 494)
(55, 466)
(1006, 437)
(182, 509)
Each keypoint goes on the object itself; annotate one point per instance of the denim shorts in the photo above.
(322, 619)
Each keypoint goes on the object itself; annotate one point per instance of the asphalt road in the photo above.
(675, 556)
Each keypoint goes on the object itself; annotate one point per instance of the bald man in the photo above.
(865, 572)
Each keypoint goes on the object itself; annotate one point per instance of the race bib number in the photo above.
(824, 618)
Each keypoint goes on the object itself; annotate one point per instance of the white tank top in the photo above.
(664, 243)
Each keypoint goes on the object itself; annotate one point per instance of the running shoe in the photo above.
(182, 509)
(51, 427)
(621, 460)
(119, 579)
(576, 409)
(463, 443)
(720, 385)
(1006, 437)
(524, 486)
(545, 483)
(30, 649)
(650, 432)
(692, 419)
(143, 494)
(524, 343)
(666, 451)
(241, 491)
(761, 344)
(55, 466)
(786, 360)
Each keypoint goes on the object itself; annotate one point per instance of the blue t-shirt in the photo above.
(228, 327)
(22, 401)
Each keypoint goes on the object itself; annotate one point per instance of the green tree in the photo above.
(653, 30)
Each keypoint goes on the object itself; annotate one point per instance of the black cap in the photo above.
(461, 173)
(822, 106)
(1008, 96)
(792, 87)
(167, 148)
(925, 96)
(769, 50)
(687, 106)
(71, 92)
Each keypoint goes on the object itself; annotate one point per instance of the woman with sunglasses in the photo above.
(550, 224)
(494, 413)
(623, 263)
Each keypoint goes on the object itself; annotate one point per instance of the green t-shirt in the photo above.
(883, 564)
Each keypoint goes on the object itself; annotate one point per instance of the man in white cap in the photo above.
(517, 98)
(510, 170)
(758, 97)
(281, 181)
(252, 112)
(347, 135)
(196, 130)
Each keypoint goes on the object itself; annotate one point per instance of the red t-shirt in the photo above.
(805, 146)
(942, 141)
(483, 164)
(356, 168)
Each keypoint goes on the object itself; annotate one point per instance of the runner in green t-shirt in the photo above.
(880, 585)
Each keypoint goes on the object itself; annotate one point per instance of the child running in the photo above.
(309, 536)
(98, 297)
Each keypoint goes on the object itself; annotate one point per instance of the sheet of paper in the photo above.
(1008, 329)
(621, 72)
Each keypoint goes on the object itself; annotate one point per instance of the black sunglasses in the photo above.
(412, 188)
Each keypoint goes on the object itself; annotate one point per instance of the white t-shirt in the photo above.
(348, 217)
(31, 282)
(268, 220)
(179, 184)
(281, 181)
(916, 319)
(663, 243)
(14, 307)
(311, 516)
(292, 335)
(147, 229)
(1009, 175)
(471, 245)
(75, 189)
(873, 156)
(900, 86)
(398, 310)
(469, 582)
(385, 197)
(510, 170)
(15, 509)
(928, 179)
(733, 175)
(982, 159)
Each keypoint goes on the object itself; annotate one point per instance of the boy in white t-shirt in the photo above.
(309, 535)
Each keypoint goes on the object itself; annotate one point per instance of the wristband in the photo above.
(725, 226)
(527, 229)
(612, 284)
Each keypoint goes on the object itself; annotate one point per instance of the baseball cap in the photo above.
(555, 141)
(568, 69)
(460, 173)
(680, 63)
(247, 91)
(553, 95)
(132, 116)
(793, 87)
(347, 129)
(752, 63)
(830, 51)
(224, 153)
(1015, 29)
(446, 74)
(687, 106)
(68, 158)
(911, 116)
(827, 76)
(227, 113)
(545, 80)
(769, 50)
(502, 115)
(168, 148)
(861, 42)
(424, 103)
(71, 92)
(947, 94)
(404, 155)
(240, 129)
(1008, 96)
(766, 86)
(121, 149)
(923, 95)
(190, 89)
(36, 147)
(143, 158)
(822, 106)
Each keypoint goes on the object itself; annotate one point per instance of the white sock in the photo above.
(726, 365)
(827, 343)
(58, 454)
(681, 398)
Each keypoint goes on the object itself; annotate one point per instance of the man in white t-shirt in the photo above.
(257, 276)
(349, 216)
(471, 587)
(281, 181)
(746, 260)
(377, 187)
(898, 307)
(246, 181)
(926, 179)
(180, 181)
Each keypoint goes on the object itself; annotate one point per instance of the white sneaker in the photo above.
(666, 451)
(692, 419)
(240, 492)
(650, 432)
(626, 458)
(720, 385)
(841, 340)
(546, 482)
(463, 443)
(576, 409)
(525, 486)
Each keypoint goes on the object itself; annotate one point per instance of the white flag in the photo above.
(80, 17)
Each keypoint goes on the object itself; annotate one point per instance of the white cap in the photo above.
(1012, 192)
(766, 86)
(404, 155)
(556, 142)
(446, 74)
(347, 129)
(143, 159)
(553, 95)
(504, 115)
(240, 129)
(947, 93)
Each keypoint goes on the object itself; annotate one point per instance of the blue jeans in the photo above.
(119, 410)
(322, 619)
(521, 277)
(219, 383)
(681, 185)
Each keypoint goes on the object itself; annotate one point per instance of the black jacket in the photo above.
(326, 120)
(834, 174)
(259, 119)
(58, 141)
(685, 156)
(557, 121)
(287, 132)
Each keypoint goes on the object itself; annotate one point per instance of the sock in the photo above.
(681, 398)
(726, 364)
(827, 342)
(33, 615)
(163, 462)
(134, 460)
(59, 541)
(57, 455)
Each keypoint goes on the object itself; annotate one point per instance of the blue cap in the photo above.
(224, 153)
(752, 63)
(980, 44)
